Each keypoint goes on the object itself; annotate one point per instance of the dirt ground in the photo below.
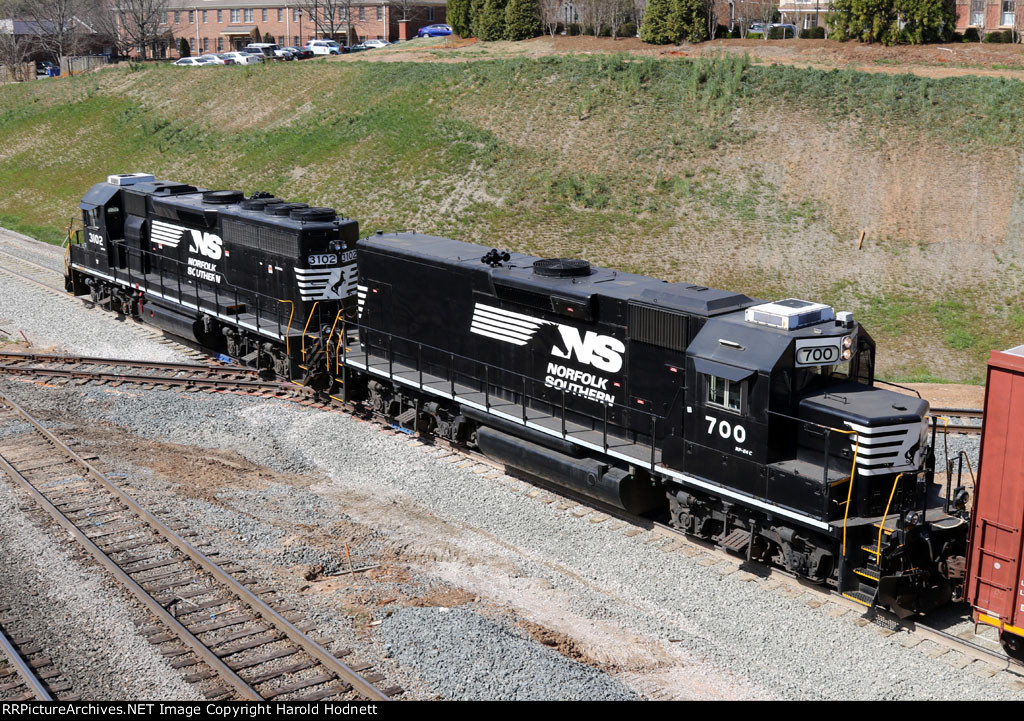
(936, 61)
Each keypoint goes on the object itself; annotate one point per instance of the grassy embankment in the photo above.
(757, 179)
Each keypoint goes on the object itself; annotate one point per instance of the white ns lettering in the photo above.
(601, 351)
(206, 243)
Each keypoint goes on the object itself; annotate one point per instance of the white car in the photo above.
(269, 50)
(191, 62)
(371, 44)
(215, 59)
(241, 58)
(324, 47)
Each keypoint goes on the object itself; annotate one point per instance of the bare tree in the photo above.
(549, 15)
(711, 13)
(138, 22)
(14, 51)
(331, 18)
(52, 23)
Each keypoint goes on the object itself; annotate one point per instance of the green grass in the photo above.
(646, 165)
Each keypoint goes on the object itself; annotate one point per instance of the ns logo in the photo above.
(206, 243)
(601, 351)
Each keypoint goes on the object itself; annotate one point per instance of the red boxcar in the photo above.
(994, 583)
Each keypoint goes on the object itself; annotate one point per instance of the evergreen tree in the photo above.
(492, 20)
(522, 20)
(184, 50)
(893, 21)
(693, 19)
(268, 38)
(476, 16)
(460, 17)
(663, 24)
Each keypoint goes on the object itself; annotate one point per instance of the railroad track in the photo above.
(51, 367)
(26, 673)
(966, 421)
(205, 618)
(52, 281)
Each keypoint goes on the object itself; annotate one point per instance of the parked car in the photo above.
(374, 43)
(216, 59)
(242, 58)
(268, 50)
(433, 31)
(788, 30)
(192, 62)
(324, 47)
(44, 68)
(299, 53)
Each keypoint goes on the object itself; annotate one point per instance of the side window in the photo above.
(724, 393)
(92, 218)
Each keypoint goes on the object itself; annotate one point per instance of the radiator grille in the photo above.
(657, 327)
(270, 240)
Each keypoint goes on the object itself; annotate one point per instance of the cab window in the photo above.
(724, 393)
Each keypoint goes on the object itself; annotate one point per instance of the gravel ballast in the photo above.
(664, 623)
(466, 657)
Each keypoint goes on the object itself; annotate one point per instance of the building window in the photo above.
(220, 16)
(295, 15)
(263, 15)
(204, 16)
(220, 45)
(978, 13)
(249, 15)
(236, 16)
(206, 44)
(380, 12)
(362, 12)
(1009, 10)
(191, 16)
(296, 41)
(192, 45)
(430, 15)
(280, 15)
(724, 393)
(177, 17)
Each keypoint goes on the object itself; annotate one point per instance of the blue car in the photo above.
(434, 31)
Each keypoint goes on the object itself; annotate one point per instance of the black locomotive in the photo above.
(754, 425)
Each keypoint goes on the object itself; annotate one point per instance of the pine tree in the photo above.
(184, 50)
(492, 20)
(476, 16)
(522, 20)
(460, 17)
(662, 24)
(693, 20)
(268, 38)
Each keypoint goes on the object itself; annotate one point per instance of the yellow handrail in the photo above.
(881, 526)
(287, 346)
(327, 360)
(849, 490)
(306, 328)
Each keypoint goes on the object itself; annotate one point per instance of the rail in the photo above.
(246, 597)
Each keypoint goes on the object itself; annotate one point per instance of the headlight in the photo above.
(847, 354)
(848, 341)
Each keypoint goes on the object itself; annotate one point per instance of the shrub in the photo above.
(721, 31)
(779, 33)
(627, 30)
(522, 20)
(893, 21)
(971, 35)
(268, 38)
(573, 29)
(755, 36)
(184, 50)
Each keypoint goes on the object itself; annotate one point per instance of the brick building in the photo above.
(223, 25)
(987, 15)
